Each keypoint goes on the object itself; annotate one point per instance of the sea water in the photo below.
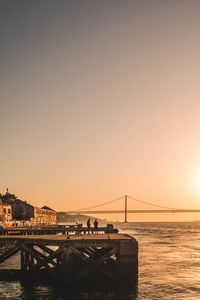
(169, 268)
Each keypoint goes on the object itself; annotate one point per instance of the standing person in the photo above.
(96, 224)
(88, 224)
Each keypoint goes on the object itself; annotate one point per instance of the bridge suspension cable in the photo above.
(150, 203)
(164, 209)
(99, 205)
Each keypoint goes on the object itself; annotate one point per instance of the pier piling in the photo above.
(73, 258)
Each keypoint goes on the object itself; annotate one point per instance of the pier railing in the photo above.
(63, 229)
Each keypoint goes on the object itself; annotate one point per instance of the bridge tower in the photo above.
(125, 209)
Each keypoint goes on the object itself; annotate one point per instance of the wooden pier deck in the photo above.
(75, 257)
(55, 230)
(63, 238)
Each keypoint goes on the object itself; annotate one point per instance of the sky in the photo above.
(99, 99)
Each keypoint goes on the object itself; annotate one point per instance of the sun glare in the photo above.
(197, 180)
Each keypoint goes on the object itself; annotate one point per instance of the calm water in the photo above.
(169, 267)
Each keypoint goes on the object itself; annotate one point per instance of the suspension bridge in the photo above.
(126, 211)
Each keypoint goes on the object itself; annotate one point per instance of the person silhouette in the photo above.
(88, 224)
(96, 224)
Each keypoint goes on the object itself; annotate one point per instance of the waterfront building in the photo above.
(44, 215)
(5, 212)
(23, 211)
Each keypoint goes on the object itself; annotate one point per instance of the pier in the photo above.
(70, 258)
(55, 230)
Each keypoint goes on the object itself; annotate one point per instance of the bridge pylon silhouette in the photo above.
(125, 208)
(158, 208)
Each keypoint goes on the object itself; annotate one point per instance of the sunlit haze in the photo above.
(100, 99)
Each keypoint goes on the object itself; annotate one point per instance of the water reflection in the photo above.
(60, 293)
(169, 268)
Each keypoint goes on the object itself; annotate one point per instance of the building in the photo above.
(8, 198)
(23, 211)
(5, 212)
(44, 215)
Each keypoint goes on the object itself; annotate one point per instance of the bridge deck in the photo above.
(137, 211)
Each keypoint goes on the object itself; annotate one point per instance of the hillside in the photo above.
(63, 217)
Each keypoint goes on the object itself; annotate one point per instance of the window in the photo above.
(4, 210)
(9, 211)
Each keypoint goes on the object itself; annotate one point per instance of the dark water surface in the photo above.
(169, 268)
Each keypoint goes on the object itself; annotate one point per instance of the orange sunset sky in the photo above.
(100, 99)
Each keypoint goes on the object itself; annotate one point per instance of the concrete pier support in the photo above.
(128, 258)
(87, 258)
(68, 262)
